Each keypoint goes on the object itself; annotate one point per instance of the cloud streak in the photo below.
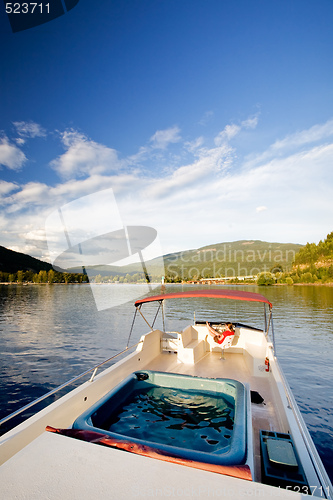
(29, 130)
(162, 138)
(10, 155)
(308, 138)
(84, 157)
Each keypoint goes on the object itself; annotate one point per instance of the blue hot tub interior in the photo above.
(191, 417)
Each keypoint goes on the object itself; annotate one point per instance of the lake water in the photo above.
(50, 334)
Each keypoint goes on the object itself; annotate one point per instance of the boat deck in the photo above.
(264, 416)
(79, 470)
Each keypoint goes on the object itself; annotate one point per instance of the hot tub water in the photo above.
(187, 419)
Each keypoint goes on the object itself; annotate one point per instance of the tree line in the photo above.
(50, 277)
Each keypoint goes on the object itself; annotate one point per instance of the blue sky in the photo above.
(210, 121)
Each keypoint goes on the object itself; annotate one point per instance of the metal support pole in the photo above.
(163, 316)
(131, 327)
(138, 309)
(273, 337)
(158, 310)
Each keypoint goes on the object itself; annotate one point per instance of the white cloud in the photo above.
(251, 122)
(32, 193)
(304, 137)
(211, 161)
(156, 149)
(7, 187)
(10, 155)
(29, 130)
(230, 131)
(193, 146)
(293, 142)
(84, 157)
(71, 137)
(35, 235)
(162, 138)
(227, 133)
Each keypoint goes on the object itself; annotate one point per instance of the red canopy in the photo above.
(214, 294)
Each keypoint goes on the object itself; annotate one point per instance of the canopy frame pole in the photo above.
(158, 310)
(139, 310)
(273, 337)
(163, 319)
(130, 333)
(270, 322)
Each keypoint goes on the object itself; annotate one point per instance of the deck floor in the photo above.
(233, 366)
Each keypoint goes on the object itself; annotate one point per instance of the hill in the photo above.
(314, 263)
(232, 259)
(11, 262)
(290, 263)
(320, 255)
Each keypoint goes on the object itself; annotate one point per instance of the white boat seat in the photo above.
(190, 348)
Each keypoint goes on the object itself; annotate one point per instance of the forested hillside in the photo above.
(231, 259)
(318, 255)
(313, 263)
(11, 262)
(19, 267)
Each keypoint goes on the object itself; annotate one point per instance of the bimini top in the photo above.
(214, 294)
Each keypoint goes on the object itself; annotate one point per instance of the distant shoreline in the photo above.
(30, 283)
(7, 283)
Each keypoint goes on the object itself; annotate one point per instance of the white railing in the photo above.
(65, 384)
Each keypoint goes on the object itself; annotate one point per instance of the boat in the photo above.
(172, 418)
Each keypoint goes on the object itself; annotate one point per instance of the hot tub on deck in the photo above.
(191, 417)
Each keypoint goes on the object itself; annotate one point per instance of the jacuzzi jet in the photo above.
(142, 376)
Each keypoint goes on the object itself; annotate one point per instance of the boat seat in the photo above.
(190, 348)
